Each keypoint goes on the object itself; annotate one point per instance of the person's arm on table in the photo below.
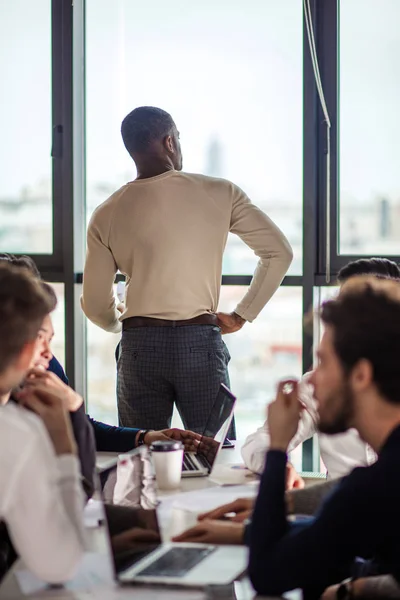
(298, 502)
(256, 445)
(371, 588)
(98, 301)
(110, 438)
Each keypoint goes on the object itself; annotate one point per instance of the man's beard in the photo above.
(341, 422)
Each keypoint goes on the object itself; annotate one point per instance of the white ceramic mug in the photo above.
(167, 460)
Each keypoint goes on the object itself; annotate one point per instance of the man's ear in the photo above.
(362, 375)
(169, 144)
(24, 359)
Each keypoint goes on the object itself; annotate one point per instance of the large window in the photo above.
(238, 79)
(231, 76)
(25, 125)
(369, 127)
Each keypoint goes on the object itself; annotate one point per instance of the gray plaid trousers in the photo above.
(162, 366)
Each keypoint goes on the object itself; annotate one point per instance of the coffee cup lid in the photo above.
(167, 446)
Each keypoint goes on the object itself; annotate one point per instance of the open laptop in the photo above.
(130, 494)
(200, 463)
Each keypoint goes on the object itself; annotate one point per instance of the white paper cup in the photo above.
(167, 460)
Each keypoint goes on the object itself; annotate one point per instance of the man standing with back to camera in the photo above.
(166, 232)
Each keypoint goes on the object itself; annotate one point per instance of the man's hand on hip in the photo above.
(230, 322)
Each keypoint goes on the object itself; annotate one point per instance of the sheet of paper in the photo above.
(233, 475)
(210, 498)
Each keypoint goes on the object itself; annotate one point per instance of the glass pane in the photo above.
(237, 105)
(25, 125)
(321, 295)
(102, 373)
(58, 318)
(369, 127)
(262, 353)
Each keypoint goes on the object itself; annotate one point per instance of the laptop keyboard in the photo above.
(188, 463)
(202, 459)
(176, 562)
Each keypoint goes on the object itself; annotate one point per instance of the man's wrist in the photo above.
(239, 319)
(142, 437)
(280, 445)
(239, 533)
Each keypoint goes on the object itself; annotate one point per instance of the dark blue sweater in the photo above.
(108, 438)
(361, 518)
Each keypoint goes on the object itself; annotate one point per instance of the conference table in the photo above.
(178, 511)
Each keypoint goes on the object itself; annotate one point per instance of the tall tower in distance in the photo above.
(214, 166)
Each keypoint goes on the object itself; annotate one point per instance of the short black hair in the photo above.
(382, 268)
(25, 262)
(143, 126)
(365, 320)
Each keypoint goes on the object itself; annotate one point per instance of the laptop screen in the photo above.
(130, 500)
(217, 426)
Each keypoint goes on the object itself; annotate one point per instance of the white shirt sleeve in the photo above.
(43, 510)
(256, 445)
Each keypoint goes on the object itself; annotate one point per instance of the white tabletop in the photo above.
(177, 512)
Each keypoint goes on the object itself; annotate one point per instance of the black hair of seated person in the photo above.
(365, 322)
(144, 126)
(21, 261)
(382, 268)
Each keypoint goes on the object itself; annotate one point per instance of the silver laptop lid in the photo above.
(130, 499)
(217, 427)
